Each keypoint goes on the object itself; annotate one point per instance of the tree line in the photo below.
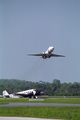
(56, 88)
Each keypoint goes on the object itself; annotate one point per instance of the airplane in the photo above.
(27, 93)
(47, 54)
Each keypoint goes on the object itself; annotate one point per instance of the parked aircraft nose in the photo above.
(38, 91)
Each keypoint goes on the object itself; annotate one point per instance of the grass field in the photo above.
(72, 113)
(47, 100)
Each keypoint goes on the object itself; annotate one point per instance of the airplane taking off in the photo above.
(47, 54)
(27, 93)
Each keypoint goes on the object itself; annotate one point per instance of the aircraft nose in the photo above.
(53, 48)
(38, 91)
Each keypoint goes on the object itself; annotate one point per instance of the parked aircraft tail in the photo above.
(6, 94)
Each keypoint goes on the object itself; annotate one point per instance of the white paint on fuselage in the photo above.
(26, 91)
(49, 50)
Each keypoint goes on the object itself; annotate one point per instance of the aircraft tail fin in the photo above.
(5, 94)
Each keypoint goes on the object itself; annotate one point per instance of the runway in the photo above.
(39, 105)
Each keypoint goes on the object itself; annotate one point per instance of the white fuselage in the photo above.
(48, 53)
(49, 50)
(29, 93)
(26, 92)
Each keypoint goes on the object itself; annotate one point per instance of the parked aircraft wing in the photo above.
(55, 55)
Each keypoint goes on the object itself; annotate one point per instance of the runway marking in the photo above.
(36, 99)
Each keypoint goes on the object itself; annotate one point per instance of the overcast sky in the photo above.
(31, 26)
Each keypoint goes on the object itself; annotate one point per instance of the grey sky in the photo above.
(31, 26)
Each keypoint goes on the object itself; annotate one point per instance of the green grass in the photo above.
(4, 103)
(43, 112)
(51, 100)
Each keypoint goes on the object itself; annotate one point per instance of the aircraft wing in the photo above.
(39, 54)
(55, 55)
